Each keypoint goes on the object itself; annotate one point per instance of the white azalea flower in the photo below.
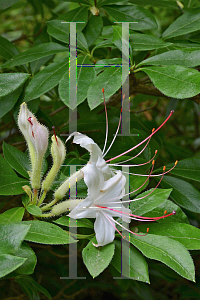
(100, 196)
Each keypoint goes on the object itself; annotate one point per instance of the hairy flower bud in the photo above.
(24, 125)
(58, 153)
(36, 136)
(63, 189)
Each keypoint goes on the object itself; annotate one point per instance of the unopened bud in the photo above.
(36, 136)
(65, 206)
(94, 10)
(28, 191)
(69, 182)
(58, 153)
(39, 136)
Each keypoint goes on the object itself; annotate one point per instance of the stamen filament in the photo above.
(116, 133)
(171, 113)
(106, 121)
(117, 164)
(155, 175)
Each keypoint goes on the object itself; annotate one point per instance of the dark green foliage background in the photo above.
(165, 62)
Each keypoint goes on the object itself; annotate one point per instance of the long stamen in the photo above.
(140, 218)
(117, 164)
(153, 163)
(106, 121)
(138, 165)
(112, 223)
(171, 113)
(125, 201)
(116, 133)
(130, 230)
(155, 175)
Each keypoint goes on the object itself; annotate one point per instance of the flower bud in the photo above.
(65, 206)
(69, 182)
(94, 10)
(58, 153)
(28, 191)
(24, 125)
(36, 136)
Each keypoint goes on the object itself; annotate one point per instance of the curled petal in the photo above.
(85, 142)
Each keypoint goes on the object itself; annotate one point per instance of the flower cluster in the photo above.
(105, 185)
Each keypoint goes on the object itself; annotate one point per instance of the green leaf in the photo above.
(34, 210)
(35, 53)
(65, 221)
(168, 251)
(184, 194)
(79, 14)
(16, 159)
(46, 79)
(12, 215)
(136, 268)
(187, 168)
(187, 235)
(9, 263)
(31, 288)
(97, 259)
(82, 42)
(156, 3)
(150, 202)
(47, 233)
(85, 76)
(188, 22)
(77, 1)
(168, 206)
(7, 102)
(132, 13)
(11, 185)
(175, 57)
(5, 4)
(29, 265)
(93, 29)
(118, 40)
(11, 81)
(11, 236)
(175, 81)
(58, 30)
(110, 79)
(7, 49)
(143, 42)
(186, 45)
(5, 168)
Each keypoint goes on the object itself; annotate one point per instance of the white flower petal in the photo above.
(85, 142)
(101, 164)
(105, 231)
(83, 210)
(113, 188)
(94, 180)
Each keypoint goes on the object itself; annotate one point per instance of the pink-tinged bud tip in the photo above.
(174, 212)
